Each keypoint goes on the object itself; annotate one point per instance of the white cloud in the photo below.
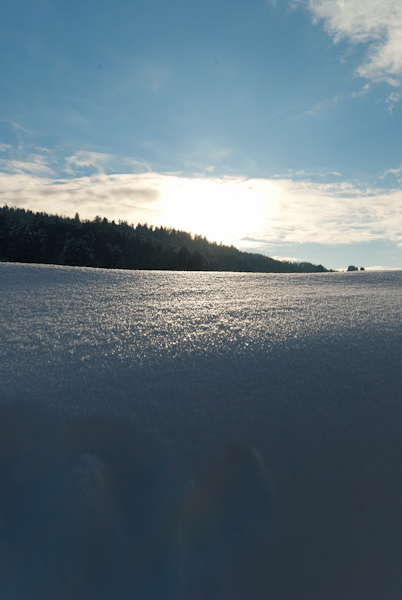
(232, 210)
(379, 268)
(377, 23)
(303, 211)
(288, 258)
(126, 197)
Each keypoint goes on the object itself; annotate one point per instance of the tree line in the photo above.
(30, 237)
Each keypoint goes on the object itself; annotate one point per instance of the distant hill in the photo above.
(31, 237)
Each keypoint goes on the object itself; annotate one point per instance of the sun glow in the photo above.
(222, 210)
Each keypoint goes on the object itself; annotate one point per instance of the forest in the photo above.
(30, 237)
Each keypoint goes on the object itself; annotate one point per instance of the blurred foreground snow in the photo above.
(200, 435)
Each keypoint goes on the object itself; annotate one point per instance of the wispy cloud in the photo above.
(16, 126)
(323, 105)
(377, 23)
(53, 163)
(392, 100)
(395, 172)
(304, 175)
(361, 92)
(35, 164)
(104, 163)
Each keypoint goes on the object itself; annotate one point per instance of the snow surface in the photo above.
(200, 435)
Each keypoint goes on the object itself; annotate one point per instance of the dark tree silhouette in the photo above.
(51, 239)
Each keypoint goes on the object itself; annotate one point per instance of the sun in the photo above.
(223, 210)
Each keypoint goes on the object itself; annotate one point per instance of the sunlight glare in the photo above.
(222, 210)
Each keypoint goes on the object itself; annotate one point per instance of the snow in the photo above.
(186, 388)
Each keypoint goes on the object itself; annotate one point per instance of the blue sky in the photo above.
(273, 126)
